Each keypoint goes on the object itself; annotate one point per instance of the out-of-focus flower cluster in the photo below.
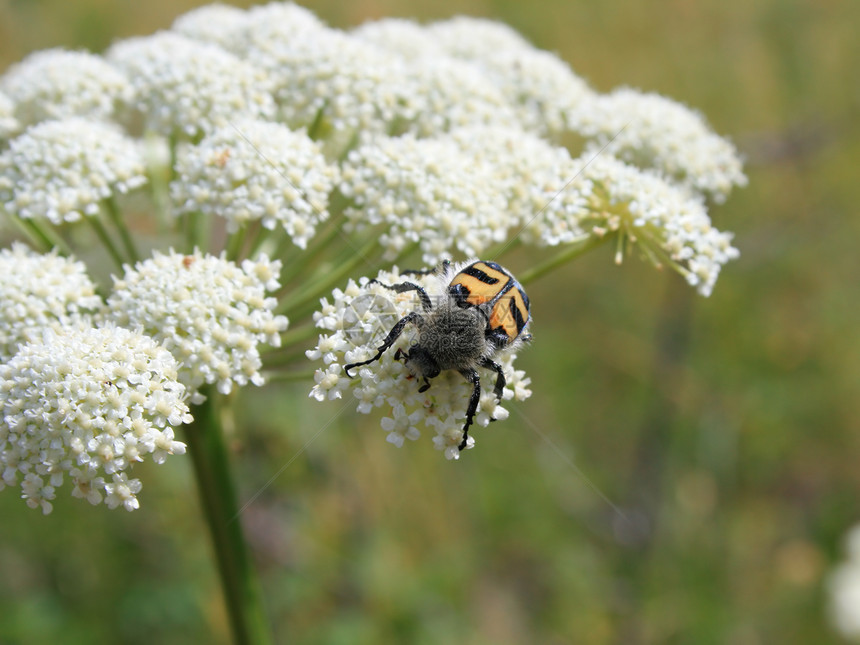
(241, 136)
(844, 588)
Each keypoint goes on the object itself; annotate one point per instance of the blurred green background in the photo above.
(686, 467)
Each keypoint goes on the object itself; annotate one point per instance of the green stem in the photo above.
(287, 377)
(46, 239)
(242, 593)
(193, 231)
(300, 260)
(297, 335)
(326, 282)
(497, 251)
(112, 209)
(575, 250)
(236, 242)
(316, 125)
(261, 234)
(102, 234)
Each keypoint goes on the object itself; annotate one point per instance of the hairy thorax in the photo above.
(454, 337)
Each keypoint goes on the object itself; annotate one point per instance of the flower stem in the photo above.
(298, 335)
(297, 305)
(242, 593)
(102, 234)
(497, 251)
(116, 217)
(575, 250)
(193, 231)
(286, 377)
(41, 236)
(236, 242)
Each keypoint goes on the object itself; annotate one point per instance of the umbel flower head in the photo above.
(186, 88)
(357, 320)
(9, 125)
(87, 404)
(256, 170)
(441, 198)
(209, 312)
(62, 170)
(56, 84)
(42, 292)
(267, 134)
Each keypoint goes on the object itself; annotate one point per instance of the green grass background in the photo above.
(685, 470)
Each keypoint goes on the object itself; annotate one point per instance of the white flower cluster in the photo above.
(326, 74)
(357, 320)
(185, 87)
(210, 314)
(87, 404)
(448, 94)
(536, 87)
(651, 131)
(239, 31)
(41, 292)
(256, 170)
(61, 170)
(426, 191)
(9, 125)
(542, 87)
(219, 24)
(56, 84)
(844, 588)
(669, 225)
(547, 196)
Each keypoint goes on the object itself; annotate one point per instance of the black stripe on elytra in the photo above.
(524, 296)
(479, 275)
(518, 315)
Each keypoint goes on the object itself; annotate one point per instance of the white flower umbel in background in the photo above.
(844, 588)
(209, 312)
(87, 404)
(328, 80)
(9, 125)
(256, 170)
(186, 88)
(652, 131)
(63, 170)
(358, 319)
(641, 210)
(56, 84)
(42, 292)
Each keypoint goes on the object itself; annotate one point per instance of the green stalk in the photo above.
(316, 126)
(236, 242)
(46, 239)
(112, 209)
(242, 593)
(261, 234)
(575, 250)
(317, 289)
(287, 377)
(193, 231)
(328, 231)
(497, 251)
(102, 234)
(297, 335)
(301, 260)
